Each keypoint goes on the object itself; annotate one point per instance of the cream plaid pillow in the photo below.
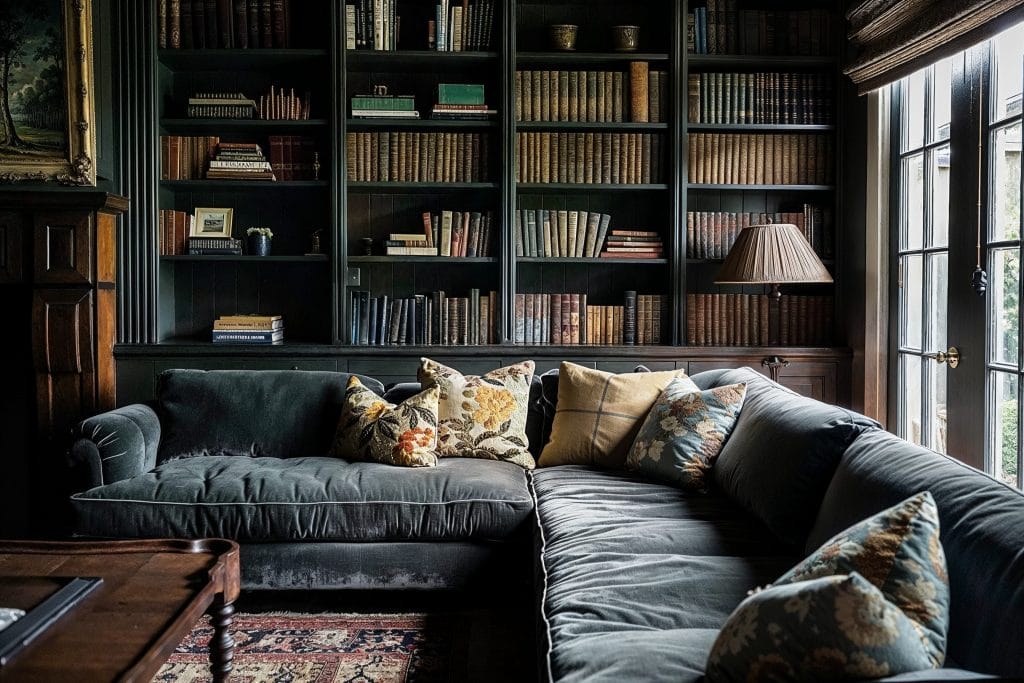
(481, 416)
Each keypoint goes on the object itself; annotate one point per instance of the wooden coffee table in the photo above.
(153, 593)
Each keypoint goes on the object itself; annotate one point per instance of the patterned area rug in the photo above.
(322, 648)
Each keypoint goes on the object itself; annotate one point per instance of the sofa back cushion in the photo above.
(259, 413)
(981, 526)
(781, 454)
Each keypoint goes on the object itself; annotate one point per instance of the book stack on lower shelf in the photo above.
(560, 234)
(424, 319)
(248, 329)
(637, 96)
(748, 320)
(416, 157)
(173, 231)
(634, 244)
(240, 161)
(566, 319)
(461, 102)
(214, 246)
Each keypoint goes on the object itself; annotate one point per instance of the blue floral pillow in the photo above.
(684, 432)
(836, 628)
(899, 552)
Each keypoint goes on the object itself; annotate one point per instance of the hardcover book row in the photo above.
(746, 320)
(586, 158)
(448, 233)
(711, 234)
(721, 28)
(757, 159)
(594, 96)
(556, 319)
(417, 157)
(424, 319)
(199, 24)
(773, 98)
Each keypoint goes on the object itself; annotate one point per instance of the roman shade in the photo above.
(889, 39)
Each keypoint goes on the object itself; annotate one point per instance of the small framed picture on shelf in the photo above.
(212, 222)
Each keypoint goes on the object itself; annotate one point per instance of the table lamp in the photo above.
(772, 254)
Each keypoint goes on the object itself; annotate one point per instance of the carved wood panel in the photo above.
(12, 250)
(63, 241)
(63, 356)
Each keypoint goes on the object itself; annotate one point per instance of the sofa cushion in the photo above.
(375, 430)
(684, 432)
(899, 552)
(482, 416)
(781, 455)
(598, 414)
(262, 413)
(833, 628)
(982, 524)
(312, 499)
(637, 577)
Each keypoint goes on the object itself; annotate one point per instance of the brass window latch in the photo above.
(951, 356)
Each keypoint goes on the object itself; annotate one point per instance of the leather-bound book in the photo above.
(212, 20)
(588, 157)
(174, 23)
(253, 22)
(225, 32)
(638, 84)
(591, 96)
(266, 23)
(618, 97)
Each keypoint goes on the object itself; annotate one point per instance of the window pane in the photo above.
(1004, 285)
(910, 374)
(937, 406)
(913, 110)
(912, 212)
(942, 87)
(911, 301)
(1005, 190)
(1003, 440)
(940, 197)
(937, 284)
(1007, 50)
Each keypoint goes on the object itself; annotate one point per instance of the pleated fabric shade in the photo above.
(771, 254)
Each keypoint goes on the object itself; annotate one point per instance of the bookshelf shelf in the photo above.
(419, 124)
(404, 188)
(591, 187)
(423, 259)
(417, 60)
(243, 185)
(591, 261)
(223, 59)
(762, 127)
(736, 187)
(758, 62)
(590, 125)
(612, 58)
(312, 258)
(216, 126)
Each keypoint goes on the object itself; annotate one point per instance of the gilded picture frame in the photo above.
(48, 145)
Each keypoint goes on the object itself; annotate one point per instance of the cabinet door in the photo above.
(12, 254)
(63, 247)
(811, 378)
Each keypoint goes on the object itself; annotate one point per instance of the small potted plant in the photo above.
(259, 241)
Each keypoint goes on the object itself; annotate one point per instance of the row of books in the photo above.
(804, 98)
(417, 157)
(556, 319)
(220, 105)
(456, 26)
(757, 159)
(620, 158)
(721, 28)
(601, 96)
(239, 161)
(186, 157)
(248, 329)
(448, 233)
(745, 320)
(711, 234)
(173, 229)
(203, 24)
(424, 319)
(293, 157)
(562, 234)
(278, 105)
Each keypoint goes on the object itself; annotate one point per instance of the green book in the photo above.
(384, 103)
(460, 93)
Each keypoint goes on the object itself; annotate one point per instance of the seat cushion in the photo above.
(313, 499)
(262, 413)
(637, 576)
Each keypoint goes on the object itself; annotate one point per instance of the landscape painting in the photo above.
(45, 91)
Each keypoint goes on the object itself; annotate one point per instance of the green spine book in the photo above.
(460, 93)
(374, 103)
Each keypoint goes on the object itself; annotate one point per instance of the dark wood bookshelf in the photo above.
(758, 62)
(762, 127)
(416, 60)
(604, 126)
(259, 126)
(273, 185)
(237, 58)
(385, 187)
(738, 187)
(423, 259)
(245, 258)
(592, 187)
(589, 260)
(420, 124)
(588, 58)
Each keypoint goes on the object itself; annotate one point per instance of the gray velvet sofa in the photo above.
(633, 578)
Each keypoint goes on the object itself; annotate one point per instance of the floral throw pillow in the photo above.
(684, 432)
(371, 429)
(899, 552)
(836, 628)
(482, 416)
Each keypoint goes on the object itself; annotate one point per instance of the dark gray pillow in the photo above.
(272, 413)
(780, 457)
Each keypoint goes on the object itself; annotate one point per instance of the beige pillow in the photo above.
(599, 414)
(482, 416)
(371, 429)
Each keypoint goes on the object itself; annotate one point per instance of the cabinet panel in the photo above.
(809, 378)
(12, 256)
(326, 364)
(63, 242)
(631, 365)
(63, 356)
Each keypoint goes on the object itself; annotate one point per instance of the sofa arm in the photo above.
(117, 444)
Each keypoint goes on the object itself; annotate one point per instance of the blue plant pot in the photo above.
(259, 245)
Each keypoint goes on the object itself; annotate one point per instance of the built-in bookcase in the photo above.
(637, 166)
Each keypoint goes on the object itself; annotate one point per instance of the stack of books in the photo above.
(633, 244)
(384, 107)
(208, 246)
(220, 105)
(409, 244)
(461, 101)
(239, 161)
(248, 329)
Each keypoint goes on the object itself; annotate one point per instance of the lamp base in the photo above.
(775, 294)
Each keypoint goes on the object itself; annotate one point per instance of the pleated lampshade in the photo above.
(771, 254)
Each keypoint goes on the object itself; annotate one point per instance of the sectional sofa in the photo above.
(634, 579)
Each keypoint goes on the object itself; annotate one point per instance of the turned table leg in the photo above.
(222, 645)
